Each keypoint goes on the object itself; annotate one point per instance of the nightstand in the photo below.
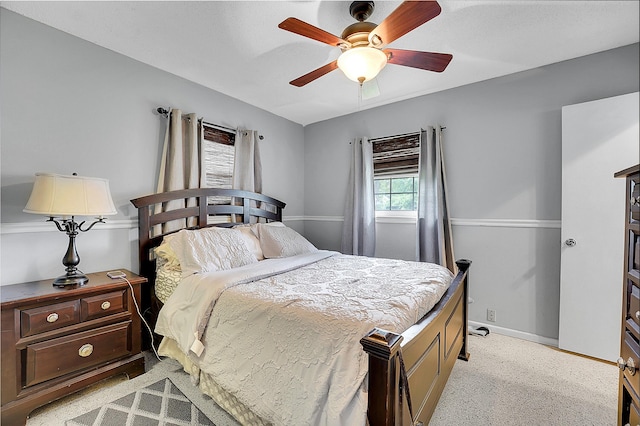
(56, 341)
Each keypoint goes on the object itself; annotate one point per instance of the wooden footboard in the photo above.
(427, 353)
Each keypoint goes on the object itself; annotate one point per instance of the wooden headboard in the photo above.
(241, 207)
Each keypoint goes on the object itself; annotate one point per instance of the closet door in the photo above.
(598, 139)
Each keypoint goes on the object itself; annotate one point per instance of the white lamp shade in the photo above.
(362, 63)
(60, 195)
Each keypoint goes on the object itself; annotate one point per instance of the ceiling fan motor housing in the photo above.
(357, 34)
(361, 10)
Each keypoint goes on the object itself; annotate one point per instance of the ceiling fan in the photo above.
(363, 43)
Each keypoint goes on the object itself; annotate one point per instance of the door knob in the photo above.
(570, 242)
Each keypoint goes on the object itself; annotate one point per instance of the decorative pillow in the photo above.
(210, 249)
(168, 271)
(166, 282)
(251, 240)
(166, 257)
(281, 241)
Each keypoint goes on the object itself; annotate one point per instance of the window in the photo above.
(395, 171)
(396, 193)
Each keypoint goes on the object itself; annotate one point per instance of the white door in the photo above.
(599, 138)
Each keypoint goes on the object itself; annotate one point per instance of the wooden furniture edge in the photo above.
(23, 401)
(627, 396)
(385, 405)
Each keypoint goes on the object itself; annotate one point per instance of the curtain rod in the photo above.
(218, 126)
(380, 139)
(165, 112)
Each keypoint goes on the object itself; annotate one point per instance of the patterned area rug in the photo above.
(160, 403)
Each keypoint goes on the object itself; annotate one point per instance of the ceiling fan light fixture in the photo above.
(362, 64)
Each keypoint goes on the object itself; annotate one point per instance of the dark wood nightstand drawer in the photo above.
(51, 317)
(634, 306)
(634, 414)
(57, 357)
(103, 305)
(634, 251)
(634, 202)
(631, 351)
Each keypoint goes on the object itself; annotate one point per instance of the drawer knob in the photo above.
(53, 317)
(638, 315)
(635, 201)
(105, 305)
(629, 365)
(85, 350)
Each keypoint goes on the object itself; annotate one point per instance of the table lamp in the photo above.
(62, 198)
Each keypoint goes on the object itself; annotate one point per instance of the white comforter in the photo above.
(283, 335)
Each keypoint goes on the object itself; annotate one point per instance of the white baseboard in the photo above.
(517, 334)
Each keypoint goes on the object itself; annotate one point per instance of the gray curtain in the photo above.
(247, 169)
(179, 165)
(435, 242)
(359, 229)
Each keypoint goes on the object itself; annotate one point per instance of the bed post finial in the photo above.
(463, 264)
(463, 267)
(382, 347)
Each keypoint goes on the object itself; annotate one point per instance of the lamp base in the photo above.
(75, 279)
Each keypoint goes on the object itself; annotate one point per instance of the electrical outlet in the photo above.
(491, 315)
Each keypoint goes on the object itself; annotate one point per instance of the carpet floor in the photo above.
(510, 381)
(507, 381)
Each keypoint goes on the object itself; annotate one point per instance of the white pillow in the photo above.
(281, 241)
(251, 240)
(278, 224)
(210, 249)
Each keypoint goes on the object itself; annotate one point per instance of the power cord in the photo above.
(119, 274)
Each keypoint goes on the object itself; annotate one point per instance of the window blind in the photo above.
(394, 155)
(217, 161)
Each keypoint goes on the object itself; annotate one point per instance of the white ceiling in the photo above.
(236, 47)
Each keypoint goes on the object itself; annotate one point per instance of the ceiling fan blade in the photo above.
(307, 30)
(406, 17)
(429, 61)
(317, 73)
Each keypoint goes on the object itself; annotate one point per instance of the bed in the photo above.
(227, 347)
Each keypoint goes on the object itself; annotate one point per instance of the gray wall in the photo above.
(503, 161)
(71, 106)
